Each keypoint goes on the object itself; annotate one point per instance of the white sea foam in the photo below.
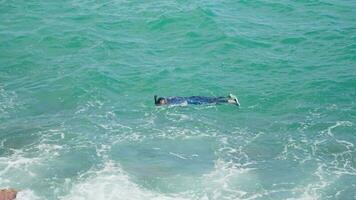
(316, 151)
(7, 101)
(27, 194)
(338, 123)
(112, 183)
(178, 155)
(177, 117)
(21, 168)
(88, 106)
(312, 190)
(225, 181)
(16, 162)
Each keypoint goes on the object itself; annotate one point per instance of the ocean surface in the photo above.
(78, 122)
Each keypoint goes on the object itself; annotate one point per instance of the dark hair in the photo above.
(160, 99)
(157, 101)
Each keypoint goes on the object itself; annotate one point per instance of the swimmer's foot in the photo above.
(233, 99)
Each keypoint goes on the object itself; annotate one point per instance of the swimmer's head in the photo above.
(160, 101)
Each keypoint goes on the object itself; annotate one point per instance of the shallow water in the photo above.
(77, 80)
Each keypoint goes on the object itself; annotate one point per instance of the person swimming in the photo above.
(195, 100)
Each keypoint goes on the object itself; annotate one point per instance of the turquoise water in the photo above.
(77, 119)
